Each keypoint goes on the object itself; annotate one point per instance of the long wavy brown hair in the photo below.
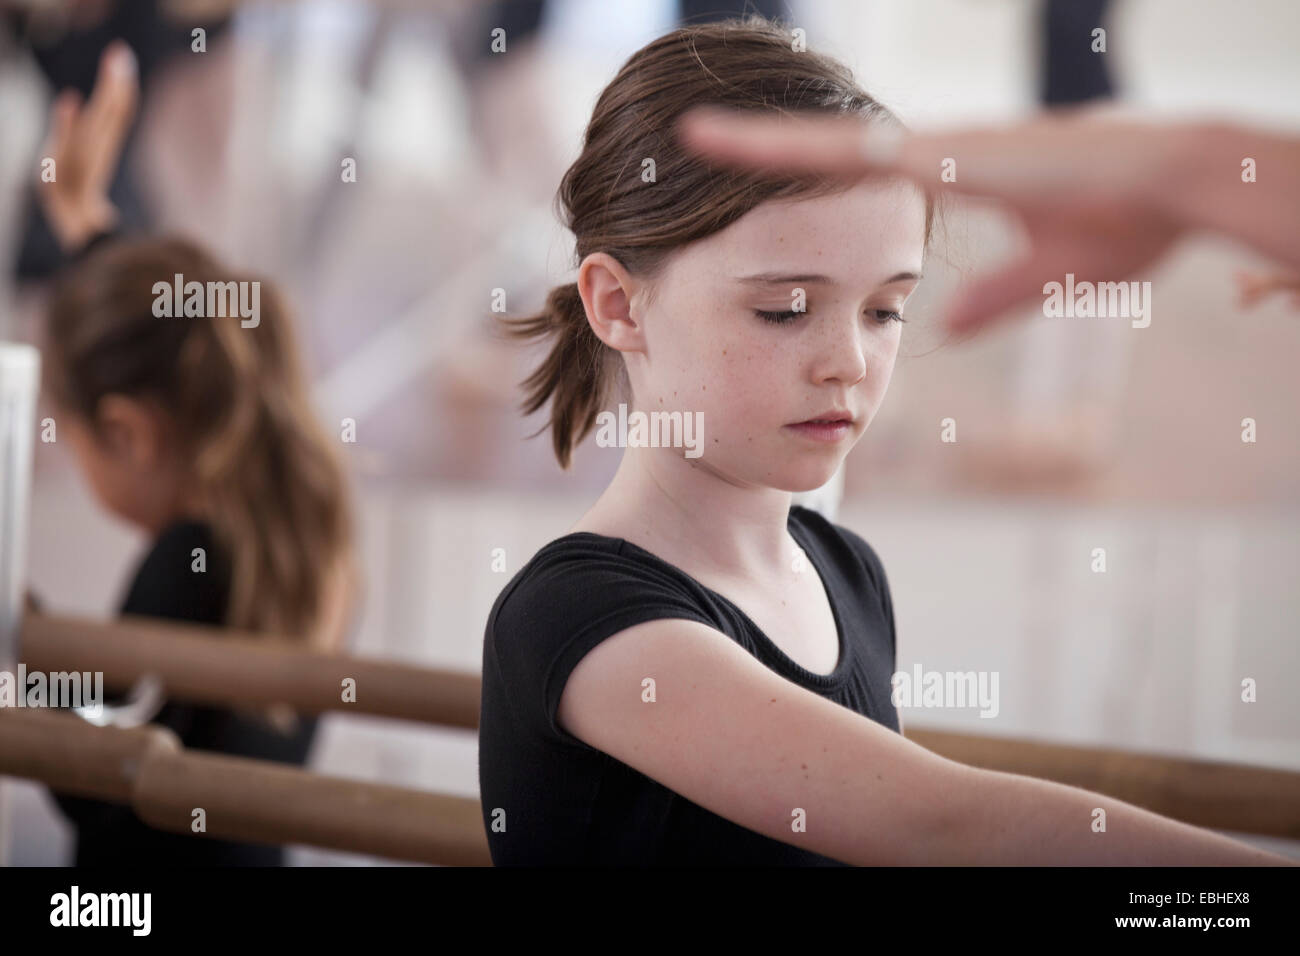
(275, 490)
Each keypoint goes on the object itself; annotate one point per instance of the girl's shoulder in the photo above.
(584, 586)
(840, 543)
(581, 573)
(856, 559)
(572, 594)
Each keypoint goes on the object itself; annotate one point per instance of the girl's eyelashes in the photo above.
(776, 318)
(883, 316)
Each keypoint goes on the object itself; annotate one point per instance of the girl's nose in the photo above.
(840, 351)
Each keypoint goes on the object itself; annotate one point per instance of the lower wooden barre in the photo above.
(54, 748)
(242, 799)
(209, 665)
(1219, 796)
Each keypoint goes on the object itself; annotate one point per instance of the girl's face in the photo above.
(850, 261)
(126, 460)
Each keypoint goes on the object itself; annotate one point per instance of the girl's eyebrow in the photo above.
(775, 278)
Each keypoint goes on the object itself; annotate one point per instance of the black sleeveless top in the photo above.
(566, 803)
(166, 586)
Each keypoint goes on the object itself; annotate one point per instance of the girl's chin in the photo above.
(776, 467)
(807, 479)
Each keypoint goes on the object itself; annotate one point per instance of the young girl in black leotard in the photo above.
(699, 673)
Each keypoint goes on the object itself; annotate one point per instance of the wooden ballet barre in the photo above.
(210, 665)
(52, 747)
(1204, 793)
(248, 800)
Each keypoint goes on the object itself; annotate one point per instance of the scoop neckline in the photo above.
(781, 658)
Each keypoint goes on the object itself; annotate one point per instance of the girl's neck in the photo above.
(184, 506)
(694, 518)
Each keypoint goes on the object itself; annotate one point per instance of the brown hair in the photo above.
(742, 63)
(276, 494)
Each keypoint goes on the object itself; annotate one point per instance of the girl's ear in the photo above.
(607, 291)
(130, 430)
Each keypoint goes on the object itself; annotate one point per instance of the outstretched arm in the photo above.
(736, 738)
(1101, 196)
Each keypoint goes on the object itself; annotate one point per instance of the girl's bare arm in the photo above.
(734, 737)
(1010, 819)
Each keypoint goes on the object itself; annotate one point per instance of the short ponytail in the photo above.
(574, 376)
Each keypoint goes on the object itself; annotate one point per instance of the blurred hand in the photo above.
(1253, 287)
(1080, 181)
(85, 143)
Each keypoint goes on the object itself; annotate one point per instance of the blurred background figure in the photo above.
(396, 174)
(199, 433)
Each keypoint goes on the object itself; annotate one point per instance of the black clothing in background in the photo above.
(165, 587)
(566, 803)
(1072, 73)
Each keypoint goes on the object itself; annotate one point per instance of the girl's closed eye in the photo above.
(882, 316)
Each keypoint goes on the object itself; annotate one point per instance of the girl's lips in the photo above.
(823, 431)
